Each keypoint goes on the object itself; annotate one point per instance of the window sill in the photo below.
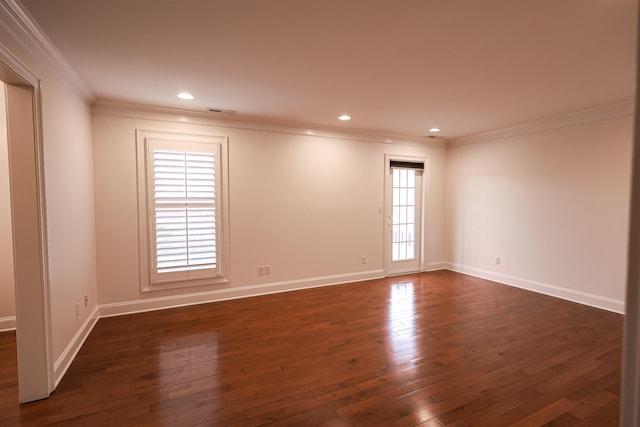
(154, 287)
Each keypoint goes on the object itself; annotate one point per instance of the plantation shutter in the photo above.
(183, 210)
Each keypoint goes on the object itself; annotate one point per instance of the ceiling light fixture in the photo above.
(185, 95)
(434, 130)
(344, 117)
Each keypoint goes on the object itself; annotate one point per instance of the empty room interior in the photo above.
(315, 213)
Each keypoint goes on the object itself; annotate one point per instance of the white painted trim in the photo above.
(144, 172)
(7, 323)
(42, 216)
(630, 387)
(572, 119)
(584, 298)
(26, 30)
(63, 363)
(438, 265)
(424, 195)
(17, 67)
(220, 120)
(151, 304)
(32, 340)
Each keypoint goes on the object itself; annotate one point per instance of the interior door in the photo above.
(404, 217)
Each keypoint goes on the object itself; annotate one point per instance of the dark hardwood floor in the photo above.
(432, 349)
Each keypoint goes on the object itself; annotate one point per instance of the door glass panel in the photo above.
(403, 245)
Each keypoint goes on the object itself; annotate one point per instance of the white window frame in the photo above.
(150, 279)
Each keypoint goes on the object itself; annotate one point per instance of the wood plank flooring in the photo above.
(431, 349)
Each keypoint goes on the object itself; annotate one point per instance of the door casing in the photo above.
(420, 238)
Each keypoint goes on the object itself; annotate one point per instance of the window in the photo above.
(182, 193)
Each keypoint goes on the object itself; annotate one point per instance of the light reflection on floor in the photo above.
(185, 363)
(401, 326)
(403, 337)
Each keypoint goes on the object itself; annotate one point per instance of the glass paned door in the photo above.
(403, 218)
(404, 221)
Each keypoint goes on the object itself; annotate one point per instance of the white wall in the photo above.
(7, 285)
(70, 212)
(305, 205)
(552, 204)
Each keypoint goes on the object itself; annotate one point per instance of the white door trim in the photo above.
(387, 208)
(33, 337)
(630, 388)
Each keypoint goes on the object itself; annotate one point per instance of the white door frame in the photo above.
(26, 177)
(630, 389)
(387, 208)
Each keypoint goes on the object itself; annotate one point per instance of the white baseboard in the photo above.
(69, 354)
(585, 298)
(7, 323)
(438, 265)
(150, 304)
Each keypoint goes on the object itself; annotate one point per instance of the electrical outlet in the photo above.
(77, 309)
(364, 259)
(498, 261)
(86, 300)
(267, 270)
(261, 270)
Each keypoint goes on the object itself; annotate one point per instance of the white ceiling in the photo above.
(398, 67)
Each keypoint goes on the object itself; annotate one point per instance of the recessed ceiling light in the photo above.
(185, 95)
(434, 130)
(344, 117)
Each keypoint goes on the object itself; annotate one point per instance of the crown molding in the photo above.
(571, 119)
(175, 115)
(24, 28)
